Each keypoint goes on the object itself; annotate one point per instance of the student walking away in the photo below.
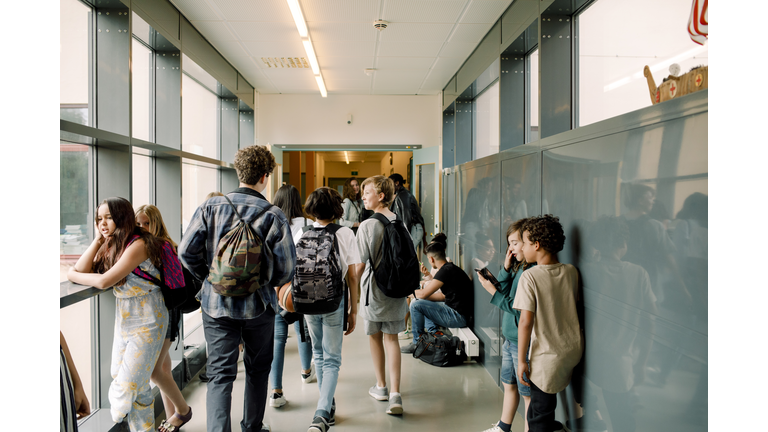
(407, 209)
(503, 297)
(546, 297)
(384, 316)
(74, 402)
(289, 201)
(239, 300)
(451, 307)
(119, 253)
(326, 256)
(177, 412)
(354, 212)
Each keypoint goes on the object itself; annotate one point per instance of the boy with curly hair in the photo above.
(549, 323)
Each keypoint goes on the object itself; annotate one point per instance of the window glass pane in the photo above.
(141, 190)
(74, 61)
(613, 52)
(196, 182)
(486, 122)
(199, 110)
(140, 90)
(74, 324)
(76, 224)
(533, 90)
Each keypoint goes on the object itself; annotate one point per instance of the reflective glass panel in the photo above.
(140, 90)
(74, 58)
(613, 52)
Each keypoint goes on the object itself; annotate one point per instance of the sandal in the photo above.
(166, 426)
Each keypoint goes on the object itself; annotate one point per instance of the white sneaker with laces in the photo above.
(277, 400)
(311, 376)
(495, 428)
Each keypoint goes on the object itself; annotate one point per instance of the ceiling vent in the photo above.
(285, 62)
(380, 24)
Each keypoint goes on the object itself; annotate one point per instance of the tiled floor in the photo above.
(461, 398)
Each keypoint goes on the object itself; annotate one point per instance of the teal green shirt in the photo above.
(504, 298)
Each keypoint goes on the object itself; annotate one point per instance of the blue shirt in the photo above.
(211, 221)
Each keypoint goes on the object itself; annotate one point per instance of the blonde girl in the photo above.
(177, 411)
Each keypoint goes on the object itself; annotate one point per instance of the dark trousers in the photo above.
(541, 412)
(223, 336)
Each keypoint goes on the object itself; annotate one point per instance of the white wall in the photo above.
(378, 119)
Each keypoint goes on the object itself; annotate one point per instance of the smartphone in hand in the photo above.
(485, 273)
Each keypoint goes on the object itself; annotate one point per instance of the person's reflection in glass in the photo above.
(485, 252)
(618, 342)
(470, 219)
(690, 233)
(650, 247)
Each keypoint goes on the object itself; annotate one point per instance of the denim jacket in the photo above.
(211, 221)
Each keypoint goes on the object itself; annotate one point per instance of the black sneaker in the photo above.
(319, 424)
(408, 349)
(203, 377)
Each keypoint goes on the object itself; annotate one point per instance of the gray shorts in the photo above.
(388, 327)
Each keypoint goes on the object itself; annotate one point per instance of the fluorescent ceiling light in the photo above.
(346, 156)
(311, 56)
(301, 25)
(321, 85)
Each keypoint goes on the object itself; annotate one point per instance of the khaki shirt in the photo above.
(550, 292)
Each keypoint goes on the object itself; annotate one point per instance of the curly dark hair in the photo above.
(324, 203)
(251, 163)
(547, 231)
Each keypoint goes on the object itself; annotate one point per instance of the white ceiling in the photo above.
(423, 47)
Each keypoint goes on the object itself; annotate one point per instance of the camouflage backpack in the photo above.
(236, 265)
(318, 285)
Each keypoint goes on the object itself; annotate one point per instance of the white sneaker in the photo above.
(495, 428)
(311, 376)
(405, 335)
(277, 400)
(265, 427)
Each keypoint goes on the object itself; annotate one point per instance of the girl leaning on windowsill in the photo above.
(141, 317)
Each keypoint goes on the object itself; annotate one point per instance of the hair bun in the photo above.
(441, 238)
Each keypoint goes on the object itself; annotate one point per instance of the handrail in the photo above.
(71, 293)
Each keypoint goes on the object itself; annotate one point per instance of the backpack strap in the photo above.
(258, 215)
(385, 221)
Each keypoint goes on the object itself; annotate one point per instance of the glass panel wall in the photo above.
(613, 52)
(76, 215)
(75, 61)
(196, 182)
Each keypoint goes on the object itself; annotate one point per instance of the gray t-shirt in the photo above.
(380, 308)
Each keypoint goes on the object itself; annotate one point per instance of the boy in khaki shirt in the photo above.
(546, 297)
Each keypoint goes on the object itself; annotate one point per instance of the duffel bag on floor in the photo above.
(438, 349)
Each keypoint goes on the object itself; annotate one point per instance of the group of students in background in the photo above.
(533, 287)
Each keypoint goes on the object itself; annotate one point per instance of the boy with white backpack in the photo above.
(326, 256)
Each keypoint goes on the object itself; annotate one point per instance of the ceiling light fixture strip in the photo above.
(301, 26)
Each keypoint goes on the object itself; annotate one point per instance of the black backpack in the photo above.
(398, 273)
(182, 298)
(439, 349)
(318, 285)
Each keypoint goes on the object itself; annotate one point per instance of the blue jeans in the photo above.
(509, 368)
(281, 335)
(327, 332)
(223, 335)
(432, 314)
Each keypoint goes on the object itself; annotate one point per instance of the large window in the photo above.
(74, 58)
(199, 110)
(141, 179)
(196, 182)
(141, 88)
(532, 66)
(486, 122)
(613, 52)
(75, 214)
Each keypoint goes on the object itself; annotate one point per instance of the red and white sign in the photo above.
(698, 22)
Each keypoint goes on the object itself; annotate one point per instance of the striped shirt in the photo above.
(68, 410)
(211, 221)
